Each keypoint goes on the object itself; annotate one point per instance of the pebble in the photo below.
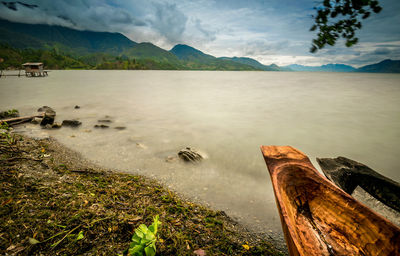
(101, 126)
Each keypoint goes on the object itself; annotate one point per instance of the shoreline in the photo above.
(64, 191)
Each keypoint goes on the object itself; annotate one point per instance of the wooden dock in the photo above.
(20, 73)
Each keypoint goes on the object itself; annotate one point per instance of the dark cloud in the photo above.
(168, 21)
(210, 35)
(265, 47)
(273, 30)
(14, 5)
(377, 55)
(160, 18)
(382, 51)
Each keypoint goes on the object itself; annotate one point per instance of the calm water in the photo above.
(227, 115)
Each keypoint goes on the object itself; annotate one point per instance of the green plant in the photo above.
(144, 239)
(4, 126)
(13, 113)
(9, 113)
(10, 138)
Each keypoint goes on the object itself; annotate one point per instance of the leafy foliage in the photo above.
(144, 239)
(9, 113)
(4, 126)
(13, 58)
(340, 18)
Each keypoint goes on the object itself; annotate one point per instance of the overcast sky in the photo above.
(275, 31)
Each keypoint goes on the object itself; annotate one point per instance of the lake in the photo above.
(226, 115)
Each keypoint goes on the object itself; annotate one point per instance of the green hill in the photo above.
(62, 39)
(148, 51)
(254, 63)
(195, 59)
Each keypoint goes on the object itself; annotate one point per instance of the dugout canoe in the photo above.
(317, 217)
(348, 174)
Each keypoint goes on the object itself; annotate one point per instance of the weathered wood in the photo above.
(349, 174)
(317, 217)
(18, 120)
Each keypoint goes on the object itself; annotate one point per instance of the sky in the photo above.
(274, 31)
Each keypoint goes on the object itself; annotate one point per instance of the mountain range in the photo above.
(61, 47)
(323, 68)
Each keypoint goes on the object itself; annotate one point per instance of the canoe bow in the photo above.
(317, 217)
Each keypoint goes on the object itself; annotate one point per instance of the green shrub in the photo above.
(144, 239)
(9, 113)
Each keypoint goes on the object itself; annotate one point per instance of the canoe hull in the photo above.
(320, 219)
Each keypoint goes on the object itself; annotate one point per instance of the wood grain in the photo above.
(317, 217)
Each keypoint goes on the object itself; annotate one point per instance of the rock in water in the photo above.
(101, 126)
(190, 155)
(49, 115)
(52, 126)
(71, 123)
(171, 159)
(104, 121)
(36, 120)
(44, 108)
(77, 107)
(56, 125)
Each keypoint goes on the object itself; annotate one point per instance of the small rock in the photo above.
(56, 126)
(140, 145)
(77, 107)
(48, 117)
(71, 123)
(87, 130)
(171, 159)
(104, 121)
(36, 120)
(120, 127)
(101, 126)
(52, 126)
(190, 155)
(44, 109)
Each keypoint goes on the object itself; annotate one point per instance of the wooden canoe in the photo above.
(348, 174)
(318, 218)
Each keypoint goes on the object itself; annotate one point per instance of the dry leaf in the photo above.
(7, 201)
(200, 252)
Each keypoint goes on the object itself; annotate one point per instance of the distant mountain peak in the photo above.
(186, 52)
(254, 63)
(184, 46)
(183, 49)
(385, 66)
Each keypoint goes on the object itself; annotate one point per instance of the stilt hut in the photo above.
(34, 69)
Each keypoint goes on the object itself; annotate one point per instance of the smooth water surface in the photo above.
(227, 115)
